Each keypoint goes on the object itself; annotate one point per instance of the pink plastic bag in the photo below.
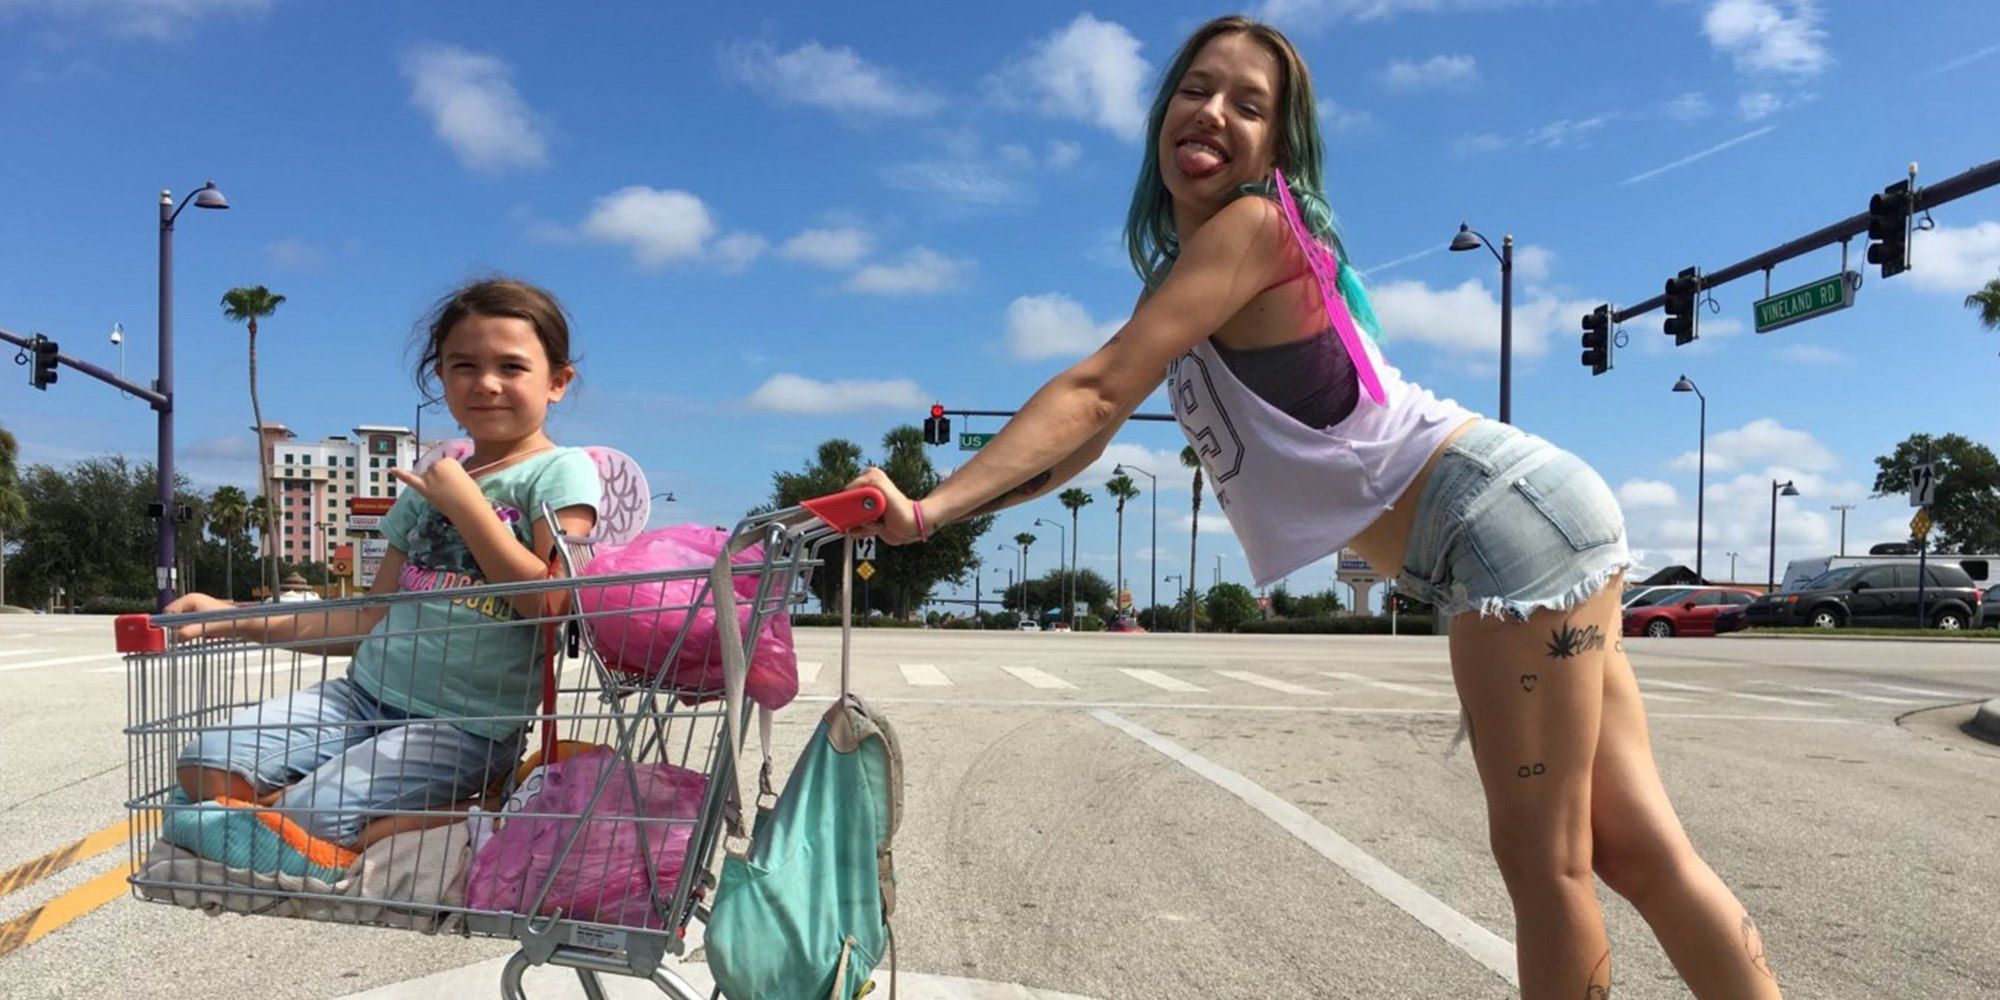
(604, 877)
(637, 642)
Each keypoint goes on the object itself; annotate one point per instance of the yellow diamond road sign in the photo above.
(864, 570)
(1920, 525)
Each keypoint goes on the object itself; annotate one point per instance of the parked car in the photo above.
(1730, 619)
(1639, 597)
(1027, 626)
(1124, 624)
(1984, 569)
(1691, 613)
(1876, 594)
(1989, 609)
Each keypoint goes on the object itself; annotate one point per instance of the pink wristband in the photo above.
(917, 507)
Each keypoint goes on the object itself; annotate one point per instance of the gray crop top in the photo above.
(1311, 380)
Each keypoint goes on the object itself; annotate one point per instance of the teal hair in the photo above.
(1150, 239)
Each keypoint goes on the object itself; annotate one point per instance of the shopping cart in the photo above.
(639, 766)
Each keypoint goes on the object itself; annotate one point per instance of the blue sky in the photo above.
(779, 225)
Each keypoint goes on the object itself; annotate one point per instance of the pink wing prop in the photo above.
(623, 510)
(1326, 267)
(458, 448)
(627, 503)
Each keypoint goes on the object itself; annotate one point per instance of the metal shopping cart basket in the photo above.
(619, 802)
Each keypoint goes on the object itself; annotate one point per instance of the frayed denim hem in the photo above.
(1519, 611)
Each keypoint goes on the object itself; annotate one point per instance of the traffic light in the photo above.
(1682, 322)
(1597, 340)
(937, 427)
(43, 374)
(1889, 228)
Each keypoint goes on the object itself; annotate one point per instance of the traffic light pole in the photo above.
(1977, 179)
(157, 401)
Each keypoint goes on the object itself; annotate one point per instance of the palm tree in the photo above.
(1987, 301)
(229, 515)
(1074, 500)
(13, 507)
(1025, 541)
(1193, 461)
(241, 305)
(1121, 488)
(261, 515)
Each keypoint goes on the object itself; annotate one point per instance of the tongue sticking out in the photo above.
(1196, 161)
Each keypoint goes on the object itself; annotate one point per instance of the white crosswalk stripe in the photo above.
(809, 672)
(1160, 680)
(23, 652)
(1646, 682)
(1776, 699)
(1876, 698)
(1268, 682)
(1656, 696)
(1927, 692)
(1040, 679)
(1351, 678)
(923, 675)
(59, 661)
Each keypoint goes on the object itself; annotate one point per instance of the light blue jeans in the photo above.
(343, 757)
(1510, 524)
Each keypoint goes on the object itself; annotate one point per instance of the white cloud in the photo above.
(1647, 493)
(835, 79)
(1465, 318)
(1053, 326)
(1958, 260)
(160, 20)
(473, 106)
(294, 255)
(1478, 143)
(788, 393)
(1758, 105)
(1338, 119)
(1762, 441)
(1691, 106)
(1311, 12)
(1436, 73)
(1063, 155)
(1769, 36)
(664, 227)
(832, 248)
(921, 271)
(1810, 354)
(1566, 133)
(1089, 71)
(962, 182)
(1531, 263)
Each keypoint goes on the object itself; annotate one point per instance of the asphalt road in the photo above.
(1148, 816)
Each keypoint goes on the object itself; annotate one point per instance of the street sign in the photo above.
(340, 567)
(864, 548)
(865, 570)
(364, 522)
(1920, 525)
(1923, 484)
(968, 441)
(1809, 301)
(372, 552)
(376, 506)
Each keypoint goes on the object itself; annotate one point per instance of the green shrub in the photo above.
(1363, 625)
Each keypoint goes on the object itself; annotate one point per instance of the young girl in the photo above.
(333, 757)
(1520, 542)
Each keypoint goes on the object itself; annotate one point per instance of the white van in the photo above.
(1983, 569)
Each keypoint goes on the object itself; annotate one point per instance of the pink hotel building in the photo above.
(315, 483)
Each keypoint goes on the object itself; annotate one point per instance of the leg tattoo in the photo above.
(1528, 681)
(1568, 642)
(1530, 770)
(1600, 980)
(1753, 942)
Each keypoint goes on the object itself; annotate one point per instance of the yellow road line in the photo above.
(38, 923)
(48, 864)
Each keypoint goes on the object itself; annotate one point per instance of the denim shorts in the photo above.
(1510, 524)
(343, 757)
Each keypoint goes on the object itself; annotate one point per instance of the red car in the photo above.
(1692, 614)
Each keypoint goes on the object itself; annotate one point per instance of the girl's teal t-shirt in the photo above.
(465, 659)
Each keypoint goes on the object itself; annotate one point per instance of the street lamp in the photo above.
(1010, 579)
(1180, 585)
(1218, 569)
(418, 436)
(1732, 566)
(1010, 582)
(1843, 508)
(1153, 557)
(1470, 239)
(1062, 546)
(668, 496)
(207, 196)
(1701, 472)
(1777, 490)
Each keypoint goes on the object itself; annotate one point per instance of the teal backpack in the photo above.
(803, 912)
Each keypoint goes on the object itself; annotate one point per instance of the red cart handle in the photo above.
(138, 634)
(848, 510)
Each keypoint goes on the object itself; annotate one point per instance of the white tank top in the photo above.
(1296, 494)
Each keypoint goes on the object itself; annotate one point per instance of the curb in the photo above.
(1985, 722)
